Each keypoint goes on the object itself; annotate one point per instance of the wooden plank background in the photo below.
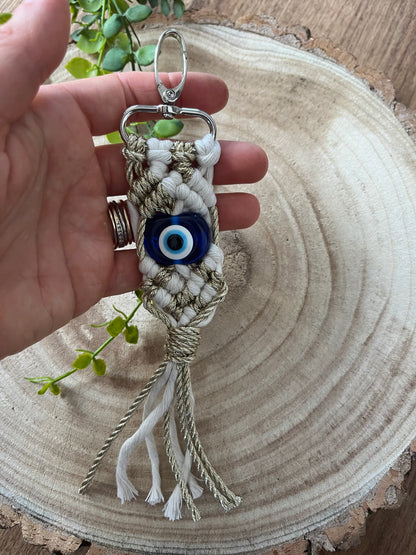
(381, 34)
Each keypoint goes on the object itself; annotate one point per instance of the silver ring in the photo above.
(120, 223)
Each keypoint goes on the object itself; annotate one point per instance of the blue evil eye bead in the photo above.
(181, 239)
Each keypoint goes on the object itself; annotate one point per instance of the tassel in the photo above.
(171, 189)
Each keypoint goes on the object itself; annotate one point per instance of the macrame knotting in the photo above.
(167, 177)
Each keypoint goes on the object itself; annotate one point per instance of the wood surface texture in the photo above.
(345, 268)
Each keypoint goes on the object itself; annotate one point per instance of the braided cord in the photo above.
(212, 479)
(131, 410)
(187, 497)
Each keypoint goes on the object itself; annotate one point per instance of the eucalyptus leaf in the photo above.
(76, 35)
(165, 128)
(122, 4)
(146, 55)
(153, 3)
(91, 41)
(112, 26)
(178, 8)
(90, 5)
(115, 59)
(165, 7)
(79, 68)
(121, 40)
(138, 13)
(89, 19)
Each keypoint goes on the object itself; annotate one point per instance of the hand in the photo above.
(56, 252)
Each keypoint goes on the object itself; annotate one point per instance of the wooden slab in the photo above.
(305, 384)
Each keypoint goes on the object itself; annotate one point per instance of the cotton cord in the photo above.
(173, 177)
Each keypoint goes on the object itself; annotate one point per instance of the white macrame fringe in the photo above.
(125, 489)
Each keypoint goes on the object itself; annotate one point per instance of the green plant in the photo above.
(117, 327)
(105, 30)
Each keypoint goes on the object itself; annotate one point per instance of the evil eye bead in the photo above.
(180, 239)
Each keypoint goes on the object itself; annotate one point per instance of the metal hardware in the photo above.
(168, 96)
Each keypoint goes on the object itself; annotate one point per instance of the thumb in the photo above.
(32, 43)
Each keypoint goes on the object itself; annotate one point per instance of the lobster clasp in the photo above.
(170, 96)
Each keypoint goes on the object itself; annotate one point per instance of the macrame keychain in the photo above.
(172, 209)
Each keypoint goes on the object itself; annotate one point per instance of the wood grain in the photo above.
(338, 11)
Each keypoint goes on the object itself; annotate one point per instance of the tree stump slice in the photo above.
(304, 384)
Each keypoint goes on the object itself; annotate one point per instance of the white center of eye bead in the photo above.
(187, 242)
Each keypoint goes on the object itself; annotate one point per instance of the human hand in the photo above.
(56, 250)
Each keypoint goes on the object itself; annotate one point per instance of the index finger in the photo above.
(104, 99)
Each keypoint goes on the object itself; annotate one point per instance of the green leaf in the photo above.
(178, 8)
(167, 128)
(114, 138)
(99, 366)
(112, 26)
(153, 3)
(165, 7)
(90, 5)
(146, 55)
(138, 13)
(4, 17)
(116, 326)
(139, 294)
(91, 41)
(122, 4)
(89, 19)
(115, 59)
(82, 361)
(55, 389)
(79, 68)
(76, 35)
(121, 41)
(44, 389)
(39, 379)
(131, 334)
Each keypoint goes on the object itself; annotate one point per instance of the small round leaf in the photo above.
(115, 59)
(99, 366)
(90, 5)
(165, 128)
(112, 26)
(146, 55)
(79, 67)
(116, 326)
(165, 7)
(178, 8)
(138, 13)
(131, 334)
(122, 4)
(121, 40)
(4, 17)
(91, 41)
(82, 361)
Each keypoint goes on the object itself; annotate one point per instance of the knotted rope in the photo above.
(173, 178)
